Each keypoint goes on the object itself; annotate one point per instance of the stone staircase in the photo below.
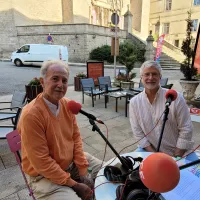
(171, 56)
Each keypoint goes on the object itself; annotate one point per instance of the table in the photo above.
(117, 95)
(107, 191)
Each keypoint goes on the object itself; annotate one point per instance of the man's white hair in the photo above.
(150, 63)
(47, 64)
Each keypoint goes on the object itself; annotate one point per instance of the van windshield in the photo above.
(24, 49)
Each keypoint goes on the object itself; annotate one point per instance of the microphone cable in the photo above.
(136, 141)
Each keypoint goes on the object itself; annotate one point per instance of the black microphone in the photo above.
(75, 108)
(170, 95)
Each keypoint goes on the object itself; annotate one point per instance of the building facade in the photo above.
(169, 17)
(45, 15)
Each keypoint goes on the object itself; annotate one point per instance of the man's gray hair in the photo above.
(150, 63)
(47, 64)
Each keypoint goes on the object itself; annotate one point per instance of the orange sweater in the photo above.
(49, 143)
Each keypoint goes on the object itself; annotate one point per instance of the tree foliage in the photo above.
(188, 70)
(129, 54)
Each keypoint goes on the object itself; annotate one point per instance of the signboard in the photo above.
(112, 29)
(113, 47)
(95, 69)
(114, 18)
(49, 38)
(159, 47)
(196, 59)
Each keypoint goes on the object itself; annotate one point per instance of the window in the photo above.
(176, 43)
(157, 27)
(166, 28)
(24, 49)
(196, 2)
(168, 5)
(195, 24)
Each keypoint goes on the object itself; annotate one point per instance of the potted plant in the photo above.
(189, 83)
(33, 89)
(77, 82)
(129, 54)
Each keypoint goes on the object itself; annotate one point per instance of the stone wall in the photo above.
(8, 34)
(79, 38)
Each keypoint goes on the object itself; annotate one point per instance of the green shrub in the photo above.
(102, 53)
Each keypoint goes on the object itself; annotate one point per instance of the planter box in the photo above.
(126, 85)
(77, 84)
(32, 91)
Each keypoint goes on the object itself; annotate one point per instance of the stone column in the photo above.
(128, 21)
(150, 53)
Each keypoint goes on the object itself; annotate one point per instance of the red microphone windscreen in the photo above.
(74, 107)
(159, 172)
(171, 93)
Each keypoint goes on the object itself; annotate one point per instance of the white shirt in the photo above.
(144, 116)
(53, 108)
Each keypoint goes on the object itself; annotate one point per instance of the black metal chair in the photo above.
(105, 84)
(4, 129)
(88, 88)
(18, 101)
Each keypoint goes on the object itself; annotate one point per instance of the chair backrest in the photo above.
(14, 142)
(87, 83)
(163, 81)
(140, 84)
(18, 99)
(169, 86)
(16, 119)
(103, 81)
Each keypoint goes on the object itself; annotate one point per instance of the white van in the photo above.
(35, 54)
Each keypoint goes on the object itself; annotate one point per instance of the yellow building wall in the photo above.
(81, 11)
(36, 12)
(175, 17)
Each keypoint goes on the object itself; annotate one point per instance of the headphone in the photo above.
(134, 188)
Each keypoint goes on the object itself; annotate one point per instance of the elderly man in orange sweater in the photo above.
(52, 152)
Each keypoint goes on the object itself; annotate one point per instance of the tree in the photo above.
(129, 54)
(188, 70)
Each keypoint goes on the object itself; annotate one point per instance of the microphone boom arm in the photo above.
(96, 128)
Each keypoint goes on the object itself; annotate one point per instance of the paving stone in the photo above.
(11, 197)
(9, 160)
(11, 181)
(24, 194)
(2, 167)
(4, 148)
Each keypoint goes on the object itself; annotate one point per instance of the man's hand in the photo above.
(87, 181)
(150, 148)
(179, 152)
(83, 191)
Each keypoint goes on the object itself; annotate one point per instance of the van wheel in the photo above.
(18, 62)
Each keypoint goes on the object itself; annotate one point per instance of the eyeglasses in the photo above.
(153, 74)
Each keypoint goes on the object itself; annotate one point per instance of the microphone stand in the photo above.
(125, 166)
(165, 118)
(163, 126)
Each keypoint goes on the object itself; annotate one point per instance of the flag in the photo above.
(159, 47)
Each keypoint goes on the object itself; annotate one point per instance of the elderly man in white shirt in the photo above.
(146, 110)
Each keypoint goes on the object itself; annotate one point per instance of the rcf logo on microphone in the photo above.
(141, 172)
